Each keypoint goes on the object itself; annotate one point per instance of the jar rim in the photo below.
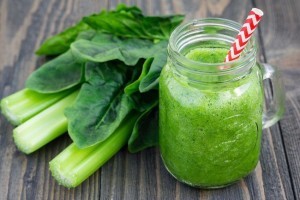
(221, 22)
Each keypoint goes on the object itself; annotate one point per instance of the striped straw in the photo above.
(244, 35)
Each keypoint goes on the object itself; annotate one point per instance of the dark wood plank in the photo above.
(280, 39)
(290, 126)
(280, 32)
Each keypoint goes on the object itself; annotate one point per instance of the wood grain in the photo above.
(25, 24)
(290, 127)
(280, 32)
(281, 46)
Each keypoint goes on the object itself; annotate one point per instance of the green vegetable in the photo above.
(114, 59)
(130, 22)
(60, 43)
(66, 71)
(72, 166)
(61, 73)
(127, 50)
(124, 21)
(102, 99)
(134, 87)
(145, 131)
(24, 104)
(150, 80)
(102, 102)
(43, 127)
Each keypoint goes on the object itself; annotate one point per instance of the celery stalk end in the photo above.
(8, 113)
(36, 132)
(66, 180)
(21, 144)
(74, 165)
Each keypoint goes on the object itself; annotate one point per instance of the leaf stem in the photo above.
(43, 127)
(24, 104)
(72, 166)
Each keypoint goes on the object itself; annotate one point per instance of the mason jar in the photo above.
(211, 114)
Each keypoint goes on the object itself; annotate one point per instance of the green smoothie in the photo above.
(210, 136)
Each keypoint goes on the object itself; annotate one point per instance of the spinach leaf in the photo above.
(130, 22)
(60, 43)
(142, 101)
(127, 50)
(152, 67)
(101, 104)
(124, 21)
(145, 131)
(134, 87)
(63, 72)
(150, 80)
(105, 47)
(66, 70)
(86, 35)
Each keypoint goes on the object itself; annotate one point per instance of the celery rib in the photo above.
(43, 127)
(72, 166)
(24, 104)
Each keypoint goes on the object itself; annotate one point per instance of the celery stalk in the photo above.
(72, 166)
(43, 127)
(24, 104)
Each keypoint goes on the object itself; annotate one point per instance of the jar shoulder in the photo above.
(247, 89)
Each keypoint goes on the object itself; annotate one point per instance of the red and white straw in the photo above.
(244, 35)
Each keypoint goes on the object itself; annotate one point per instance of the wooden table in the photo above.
(25, 24)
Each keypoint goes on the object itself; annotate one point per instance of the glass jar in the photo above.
(211, 115)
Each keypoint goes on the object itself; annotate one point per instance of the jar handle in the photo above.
(275, 104)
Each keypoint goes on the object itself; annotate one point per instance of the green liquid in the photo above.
(208, 55)
(210, 136)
